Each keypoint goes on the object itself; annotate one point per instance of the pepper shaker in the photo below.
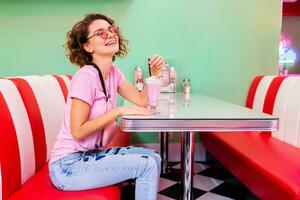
(186, 86)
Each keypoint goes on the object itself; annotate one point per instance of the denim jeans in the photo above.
(88, 170)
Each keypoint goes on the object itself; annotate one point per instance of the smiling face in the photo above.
(94, 36)
(103, 39)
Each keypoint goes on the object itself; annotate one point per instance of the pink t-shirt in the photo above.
(86, 85)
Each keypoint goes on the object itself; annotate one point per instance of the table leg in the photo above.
(187, 164)
(164, 151)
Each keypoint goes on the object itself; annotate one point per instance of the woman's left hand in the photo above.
(156, 63)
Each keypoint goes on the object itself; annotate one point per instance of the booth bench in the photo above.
(268, 163)
(31, 113)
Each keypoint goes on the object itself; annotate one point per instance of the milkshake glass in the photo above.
(153, 91)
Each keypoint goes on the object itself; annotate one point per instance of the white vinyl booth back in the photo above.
(286, 107)
(51, 103)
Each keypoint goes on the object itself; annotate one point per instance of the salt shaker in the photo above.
(186, 86)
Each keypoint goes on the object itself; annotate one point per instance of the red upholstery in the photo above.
(62, 85)
(35, 119)
(271, 94)
(269, 167)
(252, 90)
(31, 111)
(40, 187)
(10, 170)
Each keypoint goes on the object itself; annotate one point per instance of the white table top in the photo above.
(196, 112)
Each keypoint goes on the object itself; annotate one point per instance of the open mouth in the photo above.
(112, 42)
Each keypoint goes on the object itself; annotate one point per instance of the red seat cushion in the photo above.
(267, 166)
(40, 187)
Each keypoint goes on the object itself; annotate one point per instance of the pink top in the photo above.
(86, 85)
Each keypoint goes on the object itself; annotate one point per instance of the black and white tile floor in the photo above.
(211, 182)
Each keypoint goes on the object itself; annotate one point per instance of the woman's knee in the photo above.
(152, 163)
(155, 155)
(145, 151)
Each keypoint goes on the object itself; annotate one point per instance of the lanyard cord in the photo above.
(105, 93)
(102, 81)
(106, 98)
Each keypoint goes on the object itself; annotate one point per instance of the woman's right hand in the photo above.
(136, 110)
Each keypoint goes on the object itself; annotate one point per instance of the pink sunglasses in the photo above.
(103, 33)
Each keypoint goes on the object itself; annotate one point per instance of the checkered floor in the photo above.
(211, 182)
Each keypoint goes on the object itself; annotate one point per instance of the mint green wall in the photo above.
(219, 45)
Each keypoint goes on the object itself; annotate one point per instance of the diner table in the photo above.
(195, 112)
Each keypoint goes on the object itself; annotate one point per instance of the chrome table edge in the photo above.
(170, 125)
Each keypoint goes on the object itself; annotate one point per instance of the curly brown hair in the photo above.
(77, 36)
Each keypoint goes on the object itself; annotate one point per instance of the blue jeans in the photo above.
(88, 170)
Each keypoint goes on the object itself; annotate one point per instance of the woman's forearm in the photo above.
(91, 126)
(129, 92)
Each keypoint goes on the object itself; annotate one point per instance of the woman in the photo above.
(79, 159)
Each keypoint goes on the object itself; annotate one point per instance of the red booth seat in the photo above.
(31, 113)
(40, 187)
(267, 163)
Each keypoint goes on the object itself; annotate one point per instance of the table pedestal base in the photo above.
(164, 151)
(187, 164)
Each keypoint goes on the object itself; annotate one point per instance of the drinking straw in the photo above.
(149, 67)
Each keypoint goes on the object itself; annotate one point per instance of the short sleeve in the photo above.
(82, 87)
(120, 76)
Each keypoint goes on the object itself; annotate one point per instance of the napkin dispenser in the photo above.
(168, 79)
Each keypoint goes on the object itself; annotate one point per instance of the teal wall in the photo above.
(219, 45)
